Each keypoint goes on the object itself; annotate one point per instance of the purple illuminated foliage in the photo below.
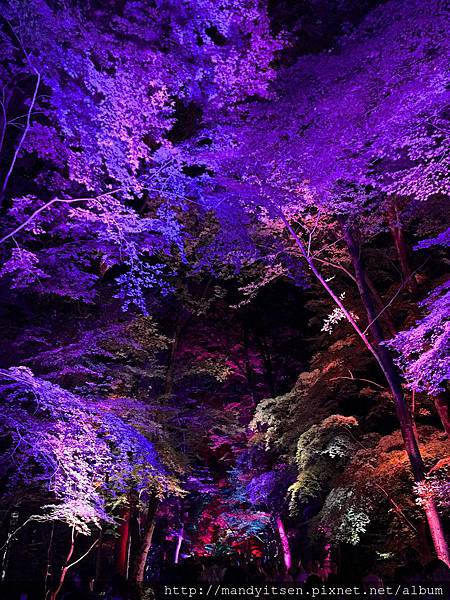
(79, 455)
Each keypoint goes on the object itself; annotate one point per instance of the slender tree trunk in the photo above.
(12, 529)
(248, 366)
(123, 543)
(138, 570)
(99, 559)
(171, 365)
(182, 516)
(443, 409)
(170, 373)
(386, 364)
(387, 319)
(180, 538)
(401, 248)
(385, 359)
(48, 567)
(287, 558)
(65, 567)
(403, 413)
(267, 361)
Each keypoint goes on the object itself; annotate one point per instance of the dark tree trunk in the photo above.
(64, 568)
(401, 248)
(403, 412)
(441, 402)
(386, 316)
(99, 558)
(138, 570)
(267, 361)
(390, 371)
(171, 365)
(248, 365)
(122, 550)
(48, 566)
(170, 373)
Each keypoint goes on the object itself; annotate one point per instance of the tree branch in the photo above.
(394, 296)
(335, 266)
(359, 379)
(69, 566)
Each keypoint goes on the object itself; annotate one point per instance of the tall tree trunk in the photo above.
(386, 364)
(180, 538)
(122, 556)
(99, 559)
(380, 305)
(267, 361)
(65, 567)
(171, 365)
(170, 373)
(401, 247)
(12, 529)
(442, 406)
(248, 366)
(48, 566)
(182, 516)
(403, 412)
(140, 562)
(287, 558)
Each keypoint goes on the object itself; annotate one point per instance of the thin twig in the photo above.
(73, 200)
(50, 203)
(311, 233)
(335, 266)
(69, 566)
(360, 379)
(24, 134)
(397, 508)
(395, 295)
(328, 246)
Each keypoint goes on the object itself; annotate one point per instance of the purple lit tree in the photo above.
(324, 165)
(423, 350)
(103, 125)
(78, 459)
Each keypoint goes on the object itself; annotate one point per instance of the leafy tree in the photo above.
(83, 454)
(331, 175)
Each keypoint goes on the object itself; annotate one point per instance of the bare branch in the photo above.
(311, 233)
(23, 136)
(329, 290)
(69, 566)
(359, 379)
(47, 205)
(394, 296)
(335, 266)
(4, 121)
